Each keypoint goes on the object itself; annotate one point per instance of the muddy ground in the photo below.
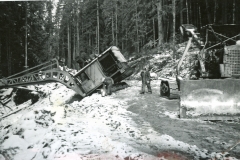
(162, 114)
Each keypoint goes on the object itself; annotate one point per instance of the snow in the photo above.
(95, 127)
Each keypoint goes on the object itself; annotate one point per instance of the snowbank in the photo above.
(94, 128)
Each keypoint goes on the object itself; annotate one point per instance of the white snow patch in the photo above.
(94, 128)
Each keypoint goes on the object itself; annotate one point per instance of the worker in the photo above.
(107, 86)
(80, 61)
(145, 75)
(62, 64)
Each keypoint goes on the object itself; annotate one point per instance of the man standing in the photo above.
(62, 64)
(107, 86)
(145, 74)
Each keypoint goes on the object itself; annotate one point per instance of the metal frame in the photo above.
(46, 72)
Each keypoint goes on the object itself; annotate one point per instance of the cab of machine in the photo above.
(111, 63)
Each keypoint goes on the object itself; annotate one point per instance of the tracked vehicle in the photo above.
(212, 91)
(110, 63)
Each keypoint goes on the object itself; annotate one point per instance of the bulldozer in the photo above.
(212, 89)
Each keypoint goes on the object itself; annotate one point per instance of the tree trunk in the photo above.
(200, 16)
(9, 54)
(97, 27)
(136, 18)
(160, 34)
(153, 23)
(9, 61)
(69, 48)
(174, 23)
(154, 38)
(181, 13)
(63, 49)
(0, 54)
(126, 36)
(190, 12)
(96, 39)
(122, 27)
(215, 11)
(58, 39)
(116, 13)
(78, 39)
(234, 10)
(74, 49)
(72, 37)
(74, 40)
(181, 17)
(50, 29)
(89, 40)
(187, 12)
(122, 35)
(208, 12)
(196, 13)
(113, 37)
(167, 30)
(224, 12)
(26, 65)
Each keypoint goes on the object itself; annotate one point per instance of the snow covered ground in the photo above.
(62, 127)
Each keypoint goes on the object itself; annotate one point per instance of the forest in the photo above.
(32, 32)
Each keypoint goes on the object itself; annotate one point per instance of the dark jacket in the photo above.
(145, 76)
(148, 78)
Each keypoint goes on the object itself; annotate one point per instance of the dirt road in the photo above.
(162, 115)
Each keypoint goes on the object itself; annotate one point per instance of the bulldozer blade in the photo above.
(210, 99)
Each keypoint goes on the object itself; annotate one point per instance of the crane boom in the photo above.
(43, 73)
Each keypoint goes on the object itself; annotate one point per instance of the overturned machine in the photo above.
(110, 63)
(212, 91)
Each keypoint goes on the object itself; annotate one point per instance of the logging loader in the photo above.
(212, 89)
(110, 63)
